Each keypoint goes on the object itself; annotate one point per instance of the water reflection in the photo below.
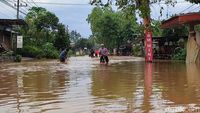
(114, 86)
(172, 78)
(31, 90)
(193, 81)
(147, 87)
(175, 82)
(84, 86)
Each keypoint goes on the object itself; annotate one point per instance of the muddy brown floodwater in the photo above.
(126, 85)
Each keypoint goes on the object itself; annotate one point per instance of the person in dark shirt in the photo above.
(63, 55)
(91, 53)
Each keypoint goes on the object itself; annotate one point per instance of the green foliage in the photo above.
(137, 50)
(31, 51)
(42, 26)
(134, 5)
(155, 25)
(18, 58)
(74, 36)
(82, 43)
(179, 54)
(197, 27)
(178, 31)
(42, 19)
(71, 53)
(46, 51)
(112, 28)
(62, 37)
(49, 51)
(42, 33)
(194, 1)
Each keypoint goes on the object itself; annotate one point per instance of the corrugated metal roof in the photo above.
(189, 18)
(10, 22)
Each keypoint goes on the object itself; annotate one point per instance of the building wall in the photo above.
(5, 38)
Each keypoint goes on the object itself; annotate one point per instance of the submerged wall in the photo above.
(193, 48)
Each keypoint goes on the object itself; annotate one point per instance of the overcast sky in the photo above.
(75, 15)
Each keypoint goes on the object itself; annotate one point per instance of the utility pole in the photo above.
(18, 5)
(17, 9)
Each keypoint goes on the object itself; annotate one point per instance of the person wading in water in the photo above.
(63, 55)
(103, 52)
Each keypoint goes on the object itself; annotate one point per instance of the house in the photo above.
(7, 33)
(193, 43)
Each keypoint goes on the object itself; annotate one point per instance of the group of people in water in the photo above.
(102, 53)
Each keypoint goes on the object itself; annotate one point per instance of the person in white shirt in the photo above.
(103, 52)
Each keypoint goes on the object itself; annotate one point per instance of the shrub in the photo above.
(49, 51)
(179, 54)
(46, 51)
(137, 51)
(31, 51)
(70, 53)
(18, 58)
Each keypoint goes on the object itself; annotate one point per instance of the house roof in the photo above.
(10, 22)
(188, 19)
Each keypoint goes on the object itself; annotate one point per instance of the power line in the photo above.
(6, 14)
(28, 4)
(10, 10)
(22, 4)
(8, 4)
(182, 2)
(195, 8)
(187, 8)
(24, 10)
(34, 3)
(55, 3)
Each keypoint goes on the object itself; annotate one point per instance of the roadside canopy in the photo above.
(189, 19)
(10, 22)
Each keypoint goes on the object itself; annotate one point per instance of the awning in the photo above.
(10, 22)
(189, 19)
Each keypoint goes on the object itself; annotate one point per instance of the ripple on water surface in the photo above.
(83, 85)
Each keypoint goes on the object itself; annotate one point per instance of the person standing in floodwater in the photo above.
(63, 55)
(92, 53)
(103, 52)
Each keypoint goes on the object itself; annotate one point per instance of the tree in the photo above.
(62, 37)
(82, 43)
(112, 28)
(74, 36)
(177, 31)
(43, 33)
(42, 19)
(194, 1)
(104, 25)
(41, 25)
(155, 25)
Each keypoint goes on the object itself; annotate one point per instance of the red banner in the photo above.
(148, 47)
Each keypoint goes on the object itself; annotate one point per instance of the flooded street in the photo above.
(126, 85)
